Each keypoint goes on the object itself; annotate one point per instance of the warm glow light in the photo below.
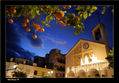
(14, 66)
(86, 60)
(93, 58)
(51, 71)
(82, 62)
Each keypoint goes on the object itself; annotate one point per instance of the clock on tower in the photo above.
(85, 45)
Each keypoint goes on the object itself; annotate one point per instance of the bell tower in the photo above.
(99, 35)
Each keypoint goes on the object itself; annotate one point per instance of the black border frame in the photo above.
(47, 2)
(59, 0)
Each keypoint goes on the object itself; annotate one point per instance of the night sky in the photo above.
(20, 43)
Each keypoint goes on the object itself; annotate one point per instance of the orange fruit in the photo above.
(62, 23)
(57, 18)
(69, 7)
(26, 20)
(59, 14)
(28, 29)
(42, 29)
(10, 21)
(36, 26)
(24, 24)
(64, 7)
(34, 36)
(14, 11)
(38, 29)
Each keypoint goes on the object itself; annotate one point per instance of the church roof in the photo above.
(99, 43)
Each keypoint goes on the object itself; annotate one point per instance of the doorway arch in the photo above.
(81, 74)
(93, 73)
(71, 74)
(104, 72)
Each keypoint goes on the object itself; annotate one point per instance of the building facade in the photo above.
(23, 65)
(87, 59)
(30, 68)
(56, 60)
(40, 72)
(41, 62)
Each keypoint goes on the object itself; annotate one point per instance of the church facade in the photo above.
(87, 59)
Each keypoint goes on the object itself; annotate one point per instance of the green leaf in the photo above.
(56, 21)
(79, 12)
(81, 7)
(51, 17)
(12, 15)
(104, 9)
(37, 11)
(43, 22)
(77, 32)
(18, 15)
(78, 26)
(94, 8)
(88, 7)
(48, 18)
(85, 14)
(73, 15)
(89, 14)
(41, 9)
(48, 25)
(78, 7)
(112, 10)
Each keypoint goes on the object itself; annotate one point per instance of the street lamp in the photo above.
(15, 66)
(50, 73)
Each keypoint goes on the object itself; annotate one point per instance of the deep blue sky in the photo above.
(20, 43)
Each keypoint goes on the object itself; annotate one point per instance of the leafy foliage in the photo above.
(110, 58)
(19, 74)
(54, 12)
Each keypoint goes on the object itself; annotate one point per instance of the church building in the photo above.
(87, 58)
